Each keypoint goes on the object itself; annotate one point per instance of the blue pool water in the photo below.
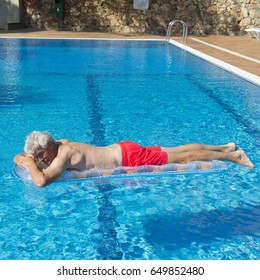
(104, 91)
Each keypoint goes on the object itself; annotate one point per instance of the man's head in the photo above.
(41, 145)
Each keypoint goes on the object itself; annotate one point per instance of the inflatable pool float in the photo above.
(167, 169)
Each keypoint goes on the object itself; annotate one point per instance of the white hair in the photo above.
(36, 140)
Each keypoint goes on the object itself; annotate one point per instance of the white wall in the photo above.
(9, 12)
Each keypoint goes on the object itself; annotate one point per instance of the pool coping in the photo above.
(224, 65)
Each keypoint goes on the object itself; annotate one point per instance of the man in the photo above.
(41, 149)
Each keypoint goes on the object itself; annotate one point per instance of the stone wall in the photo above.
(234, 16)
(225, 17)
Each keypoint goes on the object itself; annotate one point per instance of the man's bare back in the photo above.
(84, 156)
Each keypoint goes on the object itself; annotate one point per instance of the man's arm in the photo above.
(43, 177)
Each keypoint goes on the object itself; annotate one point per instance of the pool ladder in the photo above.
(184, 32)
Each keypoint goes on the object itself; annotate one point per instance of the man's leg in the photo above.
(238, 157)
(229, 147)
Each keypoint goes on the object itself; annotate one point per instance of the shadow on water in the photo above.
(180, 230)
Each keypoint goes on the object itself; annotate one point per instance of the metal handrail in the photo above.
(184, 33)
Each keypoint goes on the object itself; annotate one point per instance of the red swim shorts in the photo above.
(135, 155)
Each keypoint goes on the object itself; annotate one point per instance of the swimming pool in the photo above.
(104, 91)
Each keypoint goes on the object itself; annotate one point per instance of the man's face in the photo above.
(45, 156)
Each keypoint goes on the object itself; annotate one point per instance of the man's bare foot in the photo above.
(242, 158)
(230, 147)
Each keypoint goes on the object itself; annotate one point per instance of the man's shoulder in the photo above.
(64, 150)
(63, 141)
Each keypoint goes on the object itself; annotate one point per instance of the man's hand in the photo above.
(24, 160)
